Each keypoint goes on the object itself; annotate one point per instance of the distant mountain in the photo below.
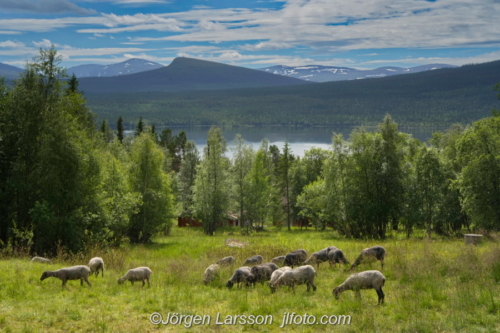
(9, 72)
(185, 74)
(317, 73)
(130, 66)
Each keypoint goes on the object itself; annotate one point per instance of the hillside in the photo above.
(433, 98)
(9, 72)
(129, 66)
(185, 74)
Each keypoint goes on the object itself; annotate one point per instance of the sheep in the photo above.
(211, 273)
(238, 277)
(295, 258)
(372, 253)
(96, 264)
(260, 273)
(80, 272)
(278, 260)
(252, 261)
(137, 274)
(320, 256)
(297, 276)
(227, 261)
(41, 260)
(275, 276)
(337, 257)
(363, 280)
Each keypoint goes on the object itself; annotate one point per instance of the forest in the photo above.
(66, 182)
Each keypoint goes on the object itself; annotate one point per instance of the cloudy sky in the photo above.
(254, 33)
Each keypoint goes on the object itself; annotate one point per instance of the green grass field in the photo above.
(438, 285)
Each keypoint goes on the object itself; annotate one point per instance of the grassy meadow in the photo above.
(437, 285)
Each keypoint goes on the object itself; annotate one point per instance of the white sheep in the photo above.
(239, 276)
(278, 261)
(370, 254)
(137, 274)
(226, 261)
(41, 260)
(297, 276)
(260, 273)
(336, 256)
(80, 272)
(275, 276)
(295, 258)
(96, 264)
(320, 256)
(211, 273)
(363, 280)
(255, 260)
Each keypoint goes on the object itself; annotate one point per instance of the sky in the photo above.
(360, 34)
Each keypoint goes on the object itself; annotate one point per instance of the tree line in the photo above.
(66, 182)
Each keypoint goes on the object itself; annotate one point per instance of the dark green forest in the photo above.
(67, 183)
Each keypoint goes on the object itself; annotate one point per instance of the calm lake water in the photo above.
(299, 139)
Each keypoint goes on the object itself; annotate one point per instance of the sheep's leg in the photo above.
(86, 280)
(381, 296)
(313, 286)
(149, 286)
(143, 283)
(382, 263)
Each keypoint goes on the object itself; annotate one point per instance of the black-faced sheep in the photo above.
(295, 258)
(363, 280)
(278, 260)
(336, 256)
(260, 273)
(239, 277)
(137, 274)
(320, 256)
(226, 261)
(41, 260)
(96, 264)
(297, 276)
(252, 261)
(370, 254)
(80, 272)
(275, 276)
(211, 273)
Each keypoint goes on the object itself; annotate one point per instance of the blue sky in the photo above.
(254, 33)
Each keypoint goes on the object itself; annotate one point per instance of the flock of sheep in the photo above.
(95, 265)
(289, 276)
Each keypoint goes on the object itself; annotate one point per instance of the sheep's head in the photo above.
(120, 281)
(229, 284)
(336, 292)
(272, 287)
(251, 280)
(44, 276)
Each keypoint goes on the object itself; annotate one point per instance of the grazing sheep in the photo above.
(226, 261)
(275, 276)
(370, 254)
(260, 273)
(238, 277)
(80, 272)
(363, 280)
(295, 258)
(278, 260)
(252, 261)
(320, 256)
(41, 260)
(337, 257)
(96, 264)
(137, 274)
(297, 276)
(211, 273)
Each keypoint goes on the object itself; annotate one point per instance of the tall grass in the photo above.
(438, 285)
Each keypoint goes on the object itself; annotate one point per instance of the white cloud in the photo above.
(44, 43)
(266, 46)
(10, 44)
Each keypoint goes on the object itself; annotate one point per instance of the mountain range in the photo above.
(316, 73)
(129, 66)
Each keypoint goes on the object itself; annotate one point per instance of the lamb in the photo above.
(41, 260)
(80, 272)
(137, 274)
(96, 264)
(363, 280)
(320, 256)
(275, 276)
(211, 273)
(227, 261)
(337, 257)
(252, 261)
(372, 253)
(238, 277)
(300, 275)
(278, 260)
(260, 273)
(295, 258)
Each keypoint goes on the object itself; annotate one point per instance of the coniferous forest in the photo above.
(67, 182)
